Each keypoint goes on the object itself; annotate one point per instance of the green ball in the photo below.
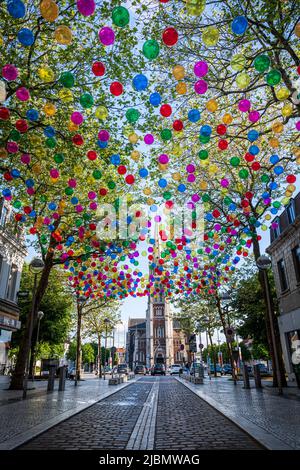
(243, 173)
(205, 198)
(111, 184)
(97, 174)
(235, 161)
(120, 16)
(78, 222)
(51, 143)
(167, 195)
(59, 158)
(17, 204)
(14, 135)
(204, 139)
(86, 100)
(166, 134)
(273, 77)
(69, 191)
(227, 201)
(262, 63)
(67, 79)
(276, 204)
(132, 115)
(151, 49)
(265, 178)
(203, 154)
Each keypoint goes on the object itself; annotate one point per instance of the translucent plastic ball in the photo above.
(178, 72)
(86, 7)
(262, 63)
(67, 79)
(106, 36)
(170, 37)
(243, 80)
(239, 25)
(210, 36)
(155, 99)
(63, 35)
(116, 88)
(132, 115)
(103, 135)
(77, 118)
(238, 62)
(254, 116)
(16, 8)
(120, 16)
(200, 87)
(273, 77)
(32, 115)
(26, 37)
(194, 115)
(140, 82)
(200, 68)
(244, 105)
(22, 94)
(151, 49)
(49, 10)
(98, 69)
(148, 139)
(10, 72)
(166, 110)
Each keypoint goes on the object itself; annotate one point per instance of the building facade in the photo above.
(136, 342)
(285, 253)
(12, 255)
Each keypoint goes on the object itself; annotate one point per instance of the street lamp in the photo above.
(264, 263)
(40, 316)
(106, 321)
(36, 266)
(80, 302)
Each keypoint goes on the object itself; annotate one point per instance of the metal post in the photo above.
(51, 378)
(246, 376)
(105, 346)
(275, 351)
(62, 379)
(25, 383)
(257, 377)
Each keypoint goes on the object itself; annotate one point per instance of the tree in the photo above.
(87, 353)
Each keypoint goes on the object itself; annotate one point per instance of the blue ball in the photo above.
(6, 192)
(29, 183)
(140, 82)
(115, 159)
(206, 130)
(74, 200)
(253, 135)
(273, 185)
(181, 188)
(143, 172)
(155, 99)
(16, 8)
(49, 131)
(253, 149)
(26, 37)
(162, 183)
(102, 145)
(274, 159)
(32, 115)
(15, 173)
(194, 115)
(239, 25)
(278, 170)
(52, 206)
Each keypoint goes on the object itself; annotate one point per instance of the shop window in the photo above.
(282, 275)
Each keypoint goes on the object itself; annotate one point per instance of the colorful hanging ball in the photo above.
(148, 139)
(25, 37)
(103, 135)
(86, 7)
(132, 115)
(116, 88)
(194, 115)
(238, 62)
(163, 159)
(63, 35)
(170, 37)
(201, 87)
(49, 10)
(86, 100)
(151, 49)
(16, 8)
(178, 125)
(254, 116)
(106, 36)
(120, 16)
(297, 30)
(178, 72)
(98, 69)
(239, 25)
(243, 80)
(244, 105)
(155, 99)
(77, 118)
(22, 94)
(273, 78)
(67, 79)
(165, 110)
(10, 72)
(140, 82)
(262, 63)
(210, 36)
(200, 68)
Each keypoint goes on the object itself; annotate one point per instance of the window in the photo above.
(12, 280)
(282, 275)
(296, 260)
(1, 263)
(291, 213)
(276, 228)
(3, 216)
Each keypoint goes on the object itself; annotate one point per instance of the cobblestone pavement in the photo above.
(183, 421)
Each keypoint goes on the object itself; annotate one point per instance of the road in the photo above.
(152, 413)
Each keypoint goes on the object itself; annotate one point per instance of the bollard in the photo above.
(201, 371)
(257, 377)
(62, 379)
(246, 376)
(51, 378)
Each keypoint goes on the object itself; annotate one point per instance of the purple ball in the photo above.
(149, 139)
(106, 36)
(86, 7)
(103, 135)
(200, 69)
(201, 87)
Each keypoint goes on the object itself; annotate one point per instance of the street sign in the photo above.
(201, 346)
(182, 347)
(229, 332)
(193, 347)
(23, 294)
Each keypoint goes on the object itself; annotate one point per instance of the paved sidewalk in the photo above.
(272, 420)
(21, 420)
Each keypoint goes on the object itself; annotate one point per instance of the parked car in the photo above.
(218, 369)
(227, 369)
(263, 369)
(175, 369)
(140, 369)
(158, 369)
(123, 369)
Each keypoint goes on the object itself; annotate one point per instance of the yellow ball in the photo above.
(203, 185)
(133, 138)
(274, 142)
(49, 109)
(210, 36)
(227, 118)
(72, 127)
(147, 191)
(287, 110)
(65, 95)
(101, 112)
(285, 201)
(36, 168)
(1, 40)
(176, 176)
(213, 169)
(238, 62)
(150, 201)
(135, 155)
(297, 30)
(63, 35)
(282, 93)
(46, 74)
(195, 7)
(163, 167)
(264, 227)
(178, 72)
(49, 10)
(277, 127)
(181, 88)
(296, 151)
(212, 105)
(243, 80)
(268, 217)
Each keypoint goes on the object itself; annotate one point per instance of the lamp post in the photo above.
(80, 302)
(40, 316)
(264, 263)
(36, 266)
(107, 322)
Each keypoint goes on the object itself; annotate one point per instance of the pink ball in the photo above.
(106, 36)
(244, 105)
(103, 135)
(22, 94)
(93, 206)
(191, 178)
(200, 87)
(190, 168)
(149, 139)
(200, 68)
(86, 7)
(30, 191)
(10, 72)
(163, 158)
(54, 173)
(25, 158)
(77, 118)
(92, 195)
(224, 183)
(195, 197)
(298, 125)
(79, 208)
(72, 183)
(254, 116)
(12, 147)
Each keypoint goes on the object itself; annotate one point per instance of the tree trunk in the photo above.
(228, 344)
(25, 344)
(99, 358)
(213, 353)
(256, 251)
(78, 345)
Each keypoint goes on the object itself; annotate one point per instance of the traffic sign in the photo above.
(182, 347)
(201, 346)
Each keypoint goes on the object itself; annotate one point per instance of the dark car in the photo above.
(123, 369)
(263, 369)
(158, 369)
(140, 369)
(227, 369)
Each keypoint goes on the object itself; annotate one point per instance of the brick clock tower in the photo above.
(159, 325)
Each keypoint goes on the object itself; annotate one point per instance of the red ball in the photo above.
(122, 170)
(222, 144)
(249, 157)
(178, 125)
(249, 195)
(116, 88)
(255, 166)
(166, 110)
(216, 213)
(298, 69)
(4, 114)
(92, 155)
(103, 192)
(98, 69)
(170, 36)
(129, 179)
(7, 176)
(77, 139)
(291, 179)
(21, 125)
(221, 129)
